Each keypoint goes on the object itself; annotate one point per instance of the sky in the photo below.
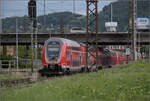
(11, 8)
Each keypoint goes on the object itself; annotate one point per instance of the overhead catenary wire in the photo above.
(77, 0)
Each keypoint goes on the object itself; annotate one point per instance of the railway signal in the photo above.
(32, 9)
(32, 17)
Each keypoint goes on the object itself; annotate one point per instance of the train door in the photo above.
(114, 59)
(107, 58)
(121, 59)
(68, 57)
(117, 58)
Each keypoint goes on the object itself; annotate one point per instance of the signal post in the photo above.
(32, 17)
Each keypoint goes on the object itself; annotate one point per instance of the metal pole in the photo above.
(44, 7)
(32, 46)
(62, 19)
(36, 49)
(96, 11)
(111, 13)
(129, 26)
(134, 33)
(149, 34)
(0, 17)
(62, 24)
(87, 33)
(74, 8)
(0, 30)
(17, 42)
(44, 16)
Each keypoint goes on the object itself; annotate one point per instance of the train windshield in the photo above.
(53, 50)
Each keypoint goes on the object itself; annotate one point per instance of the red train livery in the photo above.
(64, 56)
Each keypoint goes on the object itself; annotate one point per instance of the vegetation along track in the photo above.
(24, 82)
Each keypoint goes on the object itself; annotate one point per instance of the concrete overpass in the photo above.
(105, 38)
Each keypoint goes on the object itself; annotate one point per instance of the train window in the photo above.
(53, 50)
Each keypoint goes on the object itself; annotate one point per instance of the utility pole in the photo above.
(44, 17)
(44, 7)
(0, 31)
(32, 16)
(32, 31)
(111, 13)
(134, 32)
(0, 17)
(128, 48)
(17, 42)
(74, 7)
(149, 34)
(62, 19)
(62, 24)
(36, 43)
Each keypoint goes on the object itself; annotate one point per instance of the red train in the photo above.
(64, 56)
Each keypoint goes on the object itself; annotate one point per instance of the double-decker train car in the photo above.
(64, 56)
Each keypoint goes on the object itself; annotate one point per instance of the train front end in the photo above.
(51, 57)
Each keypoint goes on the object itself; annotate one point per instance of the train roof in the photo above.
(70, 42)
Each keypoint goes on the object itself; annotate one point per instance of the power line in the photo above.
(76, 0)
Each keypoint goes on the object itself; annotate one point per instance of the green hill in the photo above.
(120, 15)
(52, 21)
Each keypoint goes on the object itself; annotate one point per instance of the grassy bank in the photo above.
(8, 77)
(123, 83)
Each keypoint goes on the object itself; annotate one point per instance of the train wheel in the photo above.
(96, 69)
(85, 69)
(42, 74)
(68, 72)
(100, 67)
(109, 66)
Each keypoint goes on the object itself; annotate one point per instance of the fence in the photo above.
(15, 83)
(23, 63)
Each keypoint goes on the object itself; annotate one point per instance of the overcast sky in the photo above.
(19, 7)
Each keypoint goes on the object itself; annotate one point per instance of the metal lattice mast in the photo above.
(92, 25)
(134, 32)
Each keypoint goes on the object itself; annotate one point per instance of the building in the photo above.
(10, 50)
(111, 26)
